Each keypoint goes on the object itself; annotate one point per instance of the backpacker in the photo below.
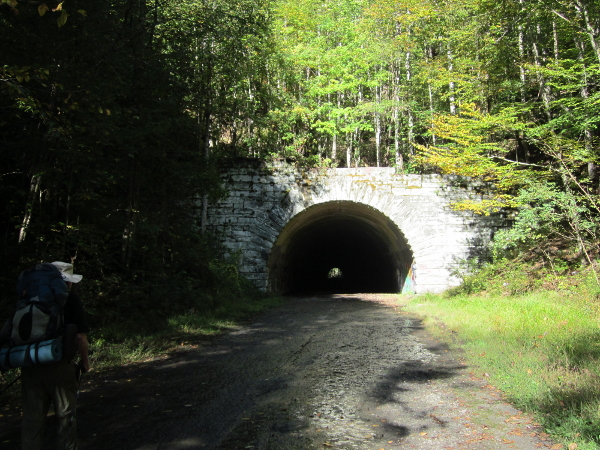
(39, 314)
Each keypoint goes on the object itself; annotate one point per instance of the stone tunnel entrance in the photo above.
(340, 247)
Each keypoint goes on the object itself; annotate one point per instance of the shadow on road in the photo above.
(305, 374)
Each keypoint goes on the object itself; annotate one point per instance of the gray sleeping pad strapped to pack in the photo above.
(45, 352)
(39, 314)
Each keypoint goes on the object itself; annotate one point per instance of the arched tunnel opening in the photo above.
(340, 247)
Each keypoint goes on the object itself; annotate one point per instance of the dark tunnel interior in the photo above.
(367, 250)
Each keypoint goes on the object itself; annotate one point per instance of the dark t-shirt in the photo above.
(74, 313)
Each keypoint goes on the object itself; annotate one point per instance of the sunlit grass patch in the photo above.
(541, 349)
(125, 342)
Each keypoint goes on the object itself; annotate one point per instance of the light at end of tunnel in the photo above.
(335, 273)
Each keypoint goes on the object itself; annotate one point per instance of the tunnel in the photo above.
(339, 247)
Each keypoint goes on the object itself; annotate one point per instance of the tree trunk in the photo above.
(522, 73)
(397, 139)
(349, 150)
(377, 126)
(587, 134)
(34, 189)
(592, 26)
(131, 214)
(356, 136)
(544, 90)
(334, 147)
(204, 217)
(411, 121)
(555, 40)
(451, 84)
(432, 111)
(396, 116)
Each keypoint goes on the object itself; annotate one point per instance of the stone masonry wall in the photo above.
(262, 200)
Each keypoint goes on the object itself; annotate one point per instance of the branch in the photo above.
(517, 162)
(565, 18)
(562, 16)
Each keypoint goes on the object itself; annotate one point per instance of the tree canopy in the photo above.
(110, 111)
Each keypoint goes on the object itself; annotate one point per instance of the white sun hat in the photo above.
(66, 271)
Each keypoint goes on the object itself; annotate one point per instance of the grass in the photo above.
(541, 348)
(133, 341)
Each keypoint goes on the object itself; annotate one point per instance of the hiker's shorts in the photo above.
(40, 386)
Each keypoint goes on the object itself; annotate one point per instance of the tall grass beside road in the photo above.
(131, 341)
(542, 349)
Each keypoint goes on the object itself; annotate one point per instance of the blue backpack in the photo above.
(39, 314)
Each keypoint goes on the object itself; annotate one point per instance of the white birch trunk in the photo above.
(377, 126)
(34, 188)
(451, 84)
(540, 78)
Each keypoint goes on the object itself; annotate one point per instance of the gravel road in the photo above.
(341, 371)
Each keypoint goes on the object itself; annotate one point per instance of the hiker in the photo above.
(57, 383)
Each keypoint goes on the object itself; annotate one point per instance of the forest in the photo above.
(116, 116)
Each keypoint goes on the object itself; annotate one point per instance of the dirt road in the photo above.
(347, 372)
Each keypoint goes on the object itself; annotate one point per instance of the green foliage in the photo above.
(550, 268)
(548, 214)
(100, 127)
(469, 150)
(505, 92)
(467, 272)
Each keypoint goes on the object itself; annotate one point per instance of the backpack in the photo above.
(39, 315)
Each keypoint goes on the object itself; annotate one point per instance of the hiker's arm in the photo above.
(83, 348)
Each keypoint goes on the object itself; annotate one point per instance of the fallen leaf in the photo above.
(573, 446)
(556, 447)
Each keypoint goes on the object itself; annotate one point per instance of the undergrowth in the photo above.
(132, 341)
(537, 334)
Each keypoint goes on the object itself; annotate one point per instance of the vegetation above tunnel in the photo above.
(114, 115)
